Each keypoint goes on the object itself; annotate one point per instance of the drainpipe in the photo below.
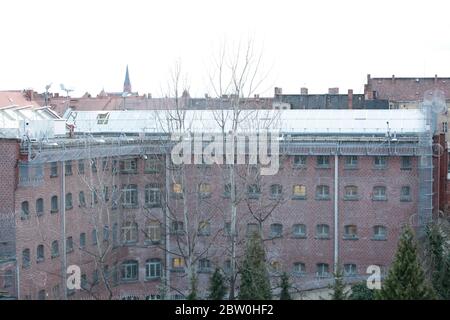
(17, 278)
(167, 227)
(63, 231)
(336, 211)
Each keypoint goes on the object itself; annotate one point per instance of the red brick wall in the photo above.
(365, 213)
(9, 151)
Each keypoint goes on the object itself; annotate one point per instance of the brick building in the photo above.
(108, 198)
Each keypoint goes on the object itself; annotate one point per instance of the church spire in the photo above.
(127, 83)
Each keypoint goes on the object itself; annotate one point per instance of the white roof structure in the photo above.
(30, 122)
(375, 122)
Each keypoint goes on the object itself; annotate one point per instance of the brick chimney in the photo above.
(350, 98)
(303, 91)
(333, 90)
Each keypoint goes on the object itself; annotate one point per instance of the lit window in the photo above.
(299, 192)
(176, 188)
(177, 263)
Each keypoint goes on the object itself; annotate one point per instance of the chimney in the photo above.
(256, 96)
(56, 95)
(368, 78)
(278, 91)
(435, 79)
(350, 98)
(333, 91)
(303, 91)
(393, 78)
(149, 95)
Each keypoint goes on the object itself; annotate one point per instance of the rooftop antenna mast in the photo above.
(67, 90)
(46, 93)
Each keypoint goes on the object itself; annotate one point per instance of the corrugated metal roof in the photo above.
(288, 121)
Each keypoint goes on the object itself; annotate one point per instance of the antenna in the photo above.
(46, 92)
(67, 90)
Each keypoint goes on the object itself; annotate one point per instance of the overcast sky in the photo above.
(318, 44)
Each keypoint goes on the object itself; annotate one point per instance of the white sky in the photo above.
(86, 44)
